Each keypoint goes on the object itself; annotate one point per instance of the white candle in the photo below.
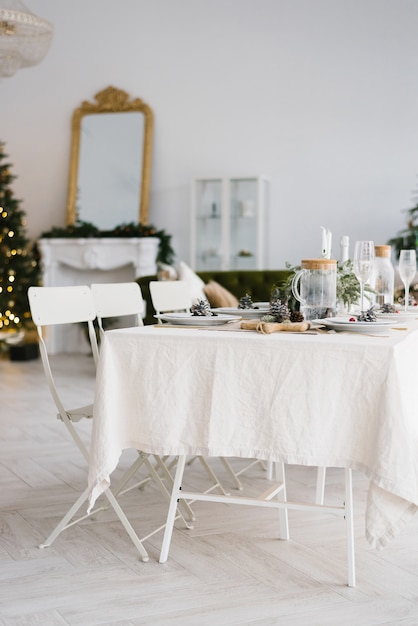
(329, 244)
(324, 243)
(345, 248)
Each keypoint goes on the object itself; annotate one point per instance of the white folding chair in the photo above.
(169, 296)
(124, 300)
(118, 300)
(174, 296)
(71, 305)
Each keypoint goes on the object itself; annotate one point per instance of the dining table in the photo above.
(319, 398)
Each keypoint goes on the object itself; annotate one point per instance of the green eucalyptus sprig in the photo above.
(348, 287)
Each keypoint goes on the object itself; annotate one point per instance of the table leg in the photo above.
(280, 476)
(172, 509)
(349, 520)
(320, 485)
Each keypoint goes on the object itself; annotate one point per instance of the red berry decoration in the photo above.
(352, 319)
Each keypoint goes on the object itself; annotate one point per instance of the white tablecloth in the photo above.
(342, 400)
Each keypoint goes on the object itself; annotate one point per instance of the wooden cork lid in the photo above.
(319, 264)
(382, 251)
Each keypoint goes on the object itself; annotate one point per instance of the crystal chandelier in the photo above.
(24, 37)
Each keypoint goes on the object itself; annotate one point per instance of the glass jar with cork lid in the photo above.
(315, 287)
(383, 277)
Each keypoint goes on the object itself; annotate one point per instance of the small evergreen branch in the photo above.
(348, 287)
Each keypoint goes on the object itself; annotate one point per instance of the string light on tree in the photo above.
(18, 264)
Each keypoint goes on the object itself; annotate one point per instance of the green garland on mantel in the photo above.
(82, 229)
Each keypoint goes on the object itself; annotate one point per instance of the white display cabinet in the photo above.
(229, 221)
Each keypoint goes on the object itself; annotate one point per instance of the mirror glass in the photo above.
(110, 162)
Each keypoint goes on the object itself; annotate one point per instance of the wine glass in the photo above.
(363, 262)
(407, 270)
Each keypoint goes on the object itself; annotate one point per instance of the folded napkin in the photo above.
(273, 327)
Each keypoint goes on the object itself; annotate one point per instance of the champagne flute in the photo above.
(363, 262)
(407, 270)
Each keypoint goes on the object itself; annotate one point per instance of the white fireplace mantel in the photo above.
(68, 261)
(103, 254)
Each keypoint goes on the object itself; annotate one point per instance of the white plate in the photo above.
(244, 313)
(412, 311)
(187, 319)
(396, 317)
(400, 316)
(262, 305)
(342, 324)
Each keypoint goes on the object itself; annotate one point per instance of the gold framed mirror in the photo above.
(110, 161)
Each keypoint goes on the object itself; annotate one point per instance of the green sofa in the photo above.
(257, 283)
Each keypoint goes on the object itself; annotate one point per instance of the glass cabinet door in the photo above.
(243, 223)
(229, 223)
(208, 220)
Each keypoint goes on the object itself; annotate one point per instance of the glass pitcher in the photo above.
(315, 287)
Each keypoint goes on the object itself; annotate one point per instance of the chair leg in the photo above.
(235, 475)
(212, 475)
(143, 459)
(120, 488)
(126, 524)
(163, 488)
(65, 522)
(231, 472)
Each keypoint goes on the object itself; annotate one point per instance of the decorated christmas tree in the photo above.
(407, 238)
(19, 267)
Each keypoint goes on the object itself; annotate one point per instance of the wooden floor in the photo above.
(230, 569)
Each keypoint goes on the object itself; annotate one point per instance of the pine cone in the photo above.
(201, 307)
(388, 308)
(367, 316)
(274, 295)
(296, 316)
(279, 311)
(245, 302)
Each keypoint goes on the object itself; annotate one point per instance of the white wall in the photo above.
(320, 95)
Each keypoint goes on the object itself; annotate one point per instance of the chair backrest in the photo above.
(170, 295)
(61, 305)
(118, 300)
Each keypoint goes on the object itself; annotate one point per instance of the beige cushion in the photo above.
(219, 296)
